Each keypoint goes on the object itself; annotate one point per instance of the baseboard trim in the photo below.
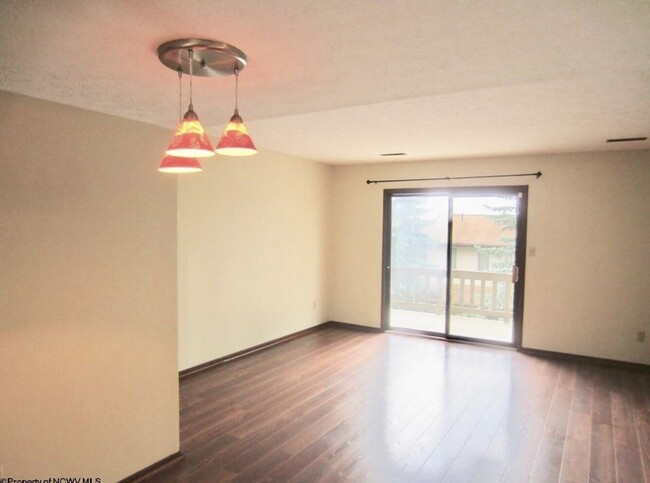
(345, 325)
(530, 351)
(151, 469)
(580, 358)
(246, 352)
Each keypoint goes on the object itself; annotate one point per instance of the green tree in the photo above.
(410, 242)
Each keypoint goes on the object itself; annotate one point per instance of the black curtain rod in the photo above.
(448, 178)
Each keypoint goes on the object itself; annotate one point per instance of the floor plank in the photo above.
(577, 447)
(626, 443)
(339, 405)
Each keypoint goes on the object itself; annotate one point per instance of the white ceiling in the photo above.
(342, 81)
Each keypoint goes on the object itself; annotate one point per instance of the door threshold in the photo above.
(461, 340)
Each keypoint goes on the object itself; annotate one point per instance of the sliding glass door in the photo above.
(418, 262)
(454, 262)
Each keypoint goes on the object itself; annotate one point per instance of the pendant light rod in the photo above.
(180, 94)
(190, 55)
(236, 89)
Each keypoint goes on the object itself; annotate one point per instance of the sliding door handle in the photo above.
(515, 274)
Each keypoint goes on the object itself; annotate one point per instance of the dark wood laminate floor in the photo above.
(341, 405)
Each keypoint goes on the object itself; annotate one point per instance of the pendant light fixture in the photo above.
(235, 140)
(175, 164)
(190, 139)
(205, 58)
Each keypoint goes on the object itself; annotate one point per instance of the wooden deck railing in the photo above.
(484, 294)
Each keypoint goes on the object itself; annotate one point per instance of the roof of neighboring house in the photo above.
(479, 230)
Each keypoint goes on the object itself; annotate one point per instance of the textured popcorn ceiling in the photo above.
(343, 81)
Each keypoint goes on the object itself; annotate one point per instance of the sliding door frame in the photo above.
(520, 255)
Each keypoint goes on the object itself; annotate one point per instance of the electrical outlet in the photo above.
(640, 336)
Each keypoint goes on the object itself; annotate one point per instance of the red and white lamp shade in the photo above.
(176, 165)
(190, 139)
(235, 140)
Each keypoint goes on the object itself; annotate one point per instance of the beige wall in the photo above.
(252, 248)
(267, 246)
(88, 329)
(587, 287)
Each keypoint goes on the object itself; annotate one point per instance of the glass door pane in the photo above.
(483, 254)
(418, 262)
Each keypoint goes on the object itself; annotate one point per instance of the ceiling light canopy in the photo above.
(205, 58)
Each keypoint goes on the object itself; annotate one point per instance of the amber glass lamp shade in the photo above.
(174, 164)
(235, 140)
(190, 139)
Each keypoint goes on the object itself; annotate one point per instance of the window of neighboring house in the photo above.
(483, 262)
